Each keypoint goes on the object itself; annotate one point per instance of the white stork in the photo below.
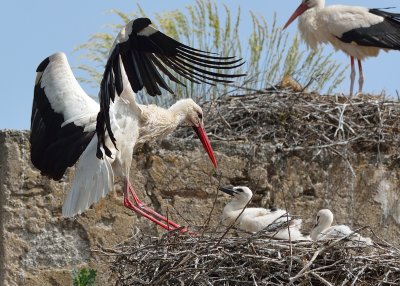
(258, 219)
(323, 229)
(359, 32)
(65, 119)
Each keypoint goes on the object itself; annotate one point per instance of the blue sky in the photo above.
(32, 30)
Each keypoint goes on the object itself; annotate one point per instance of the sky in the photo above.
(33, 30)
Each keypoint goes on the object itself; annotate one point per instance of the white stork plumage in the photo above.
(357, 31)
(67, 125)
(258, 219)
(323, 230)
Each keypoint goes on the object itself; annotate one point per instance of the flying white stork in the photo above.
(359, 32)
(258, 219)
(323, 229)
(65, 119)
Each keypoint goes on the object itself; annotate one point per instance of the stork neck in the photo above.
(178, 110)
(231, 212)
(319, 4)
(315, 232)
(236, 205)
(323, 224)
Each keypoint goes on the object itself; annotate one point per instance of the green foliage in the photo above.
(269, 54)
(84, 277)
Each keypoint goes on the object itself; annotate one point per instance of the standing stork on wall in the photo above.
(67, 125)
(359, 32)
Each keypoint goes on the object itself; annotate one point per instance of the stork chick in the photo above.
(258, 219)
(323, 229)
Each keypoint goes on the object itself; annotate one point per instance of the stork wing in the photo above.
(63, 118)
(143, 52)
(384, 34)
(334, 232)
(93, 179)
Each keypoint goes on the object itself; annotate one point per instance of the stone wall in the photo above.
(39, 247)
(3, 164)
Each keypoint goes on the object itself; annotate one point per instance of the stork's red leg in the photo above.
(361, 77)
(352, 75)
(139, 207)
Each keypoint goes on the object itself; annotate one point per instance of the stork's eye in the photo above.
(239, 190)
(200, 115)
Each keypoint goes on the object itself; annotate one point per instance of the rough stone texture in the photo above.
(39, 247)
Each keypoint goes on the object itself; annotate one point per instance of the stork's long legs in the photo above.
(352, 75)
(139, 207)
(361, 77)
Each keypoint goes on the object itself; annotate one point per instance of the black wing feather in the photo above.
(165, 71)
(54, 148)
(384, 35)
(118, 75)
(132, 71)
(171, 64)
(208, 63)
(157, 76)
(144, 53)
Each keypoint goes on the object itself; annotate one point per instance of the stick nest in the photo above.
(298, 121)
(293, 122)
(257, 259)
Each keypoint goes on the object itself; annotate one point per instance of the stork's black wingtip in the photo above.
(42, 66)
(108, 152)
(139, 24)
(99, 154)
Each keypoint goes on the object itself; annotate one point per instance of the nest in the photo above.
(298, 121)
(257, 259)
(291, 121)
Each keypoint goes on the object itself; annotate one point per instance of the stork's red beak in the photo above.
(300, 10)
(206, 143)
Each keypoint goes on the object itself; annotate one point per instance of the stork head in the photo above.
(190, 114)
(240, 194)
(304, 6)
(323, 220)
(324, 217)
